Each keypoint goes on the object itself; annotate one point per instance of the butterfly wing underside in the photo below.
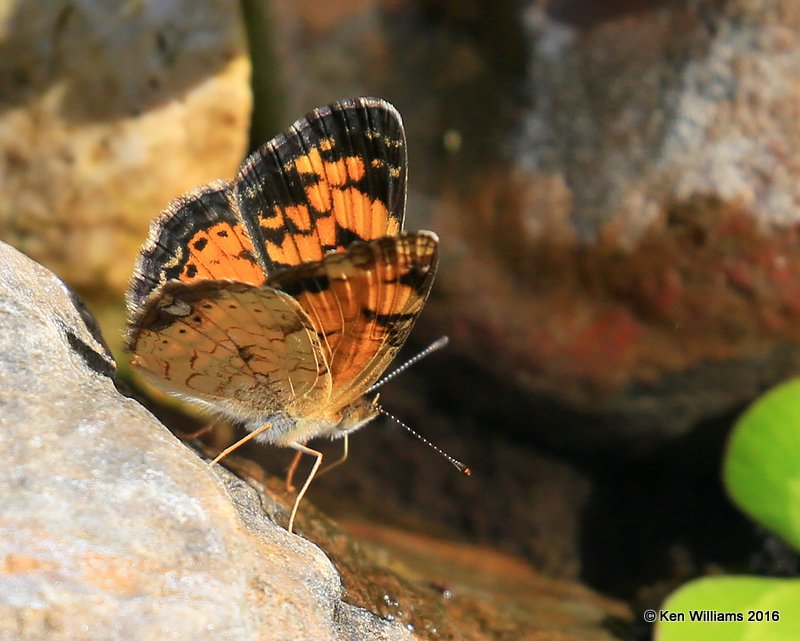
(246, 351)
(310, 341)
(363, 304)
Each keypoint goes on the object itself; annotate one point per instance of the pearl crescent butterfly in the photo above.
(279, 299)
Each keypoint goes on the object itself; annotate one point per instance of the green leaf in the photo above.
(762, 464)
(722, 601)
(762, 475)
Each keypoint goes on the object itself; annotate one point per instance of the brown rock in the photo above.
(108, 112)
(474, 593)
(633, 263)
(444, 589)
(324, 51)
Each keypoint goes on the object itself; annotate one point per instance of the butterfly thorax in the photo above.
(287, 430)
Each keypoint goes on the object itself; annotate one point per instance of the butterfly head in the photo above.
(358, 414)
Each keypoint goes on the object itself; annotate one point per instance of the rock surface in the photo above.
(107, 112)
(471, 593)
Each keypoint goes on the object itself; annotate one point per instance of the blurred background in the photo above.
(615, 185)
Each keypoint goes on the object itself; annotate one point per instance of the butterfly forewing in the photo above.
(335, 176)
(363, 304)
(199, 237)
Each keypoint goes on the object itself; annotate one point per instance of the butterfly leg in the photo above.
(239, 443)
(340, 460)
(290, 472)
(311, 474)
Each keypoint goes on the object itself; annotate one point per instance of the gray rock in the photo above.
(110, 528)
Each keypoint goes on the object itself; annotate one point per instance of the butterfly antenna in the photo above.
(457, 464)
(435, 346)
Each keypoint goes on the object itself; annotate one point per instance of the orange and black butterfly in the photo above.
(280, 298)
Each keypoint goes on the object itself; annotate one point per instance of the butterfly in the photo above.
(280, 298)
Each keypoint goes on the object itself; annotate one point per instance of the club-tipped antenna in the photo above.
(457, 464)
(435, 346)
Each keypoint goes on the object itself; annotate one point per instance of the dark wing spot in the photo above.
(386, 320)
(222, 233)
(191, 270)
(416, 278)
(345, 236)
(296, 286)
(276, 236)
(200, 244)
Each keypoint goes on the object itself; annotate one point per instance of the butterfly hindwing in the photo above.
(247, 350)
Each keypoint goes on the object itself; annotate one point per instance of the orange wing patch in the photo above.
(219, 252)
(199, 236)
(335, 177)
